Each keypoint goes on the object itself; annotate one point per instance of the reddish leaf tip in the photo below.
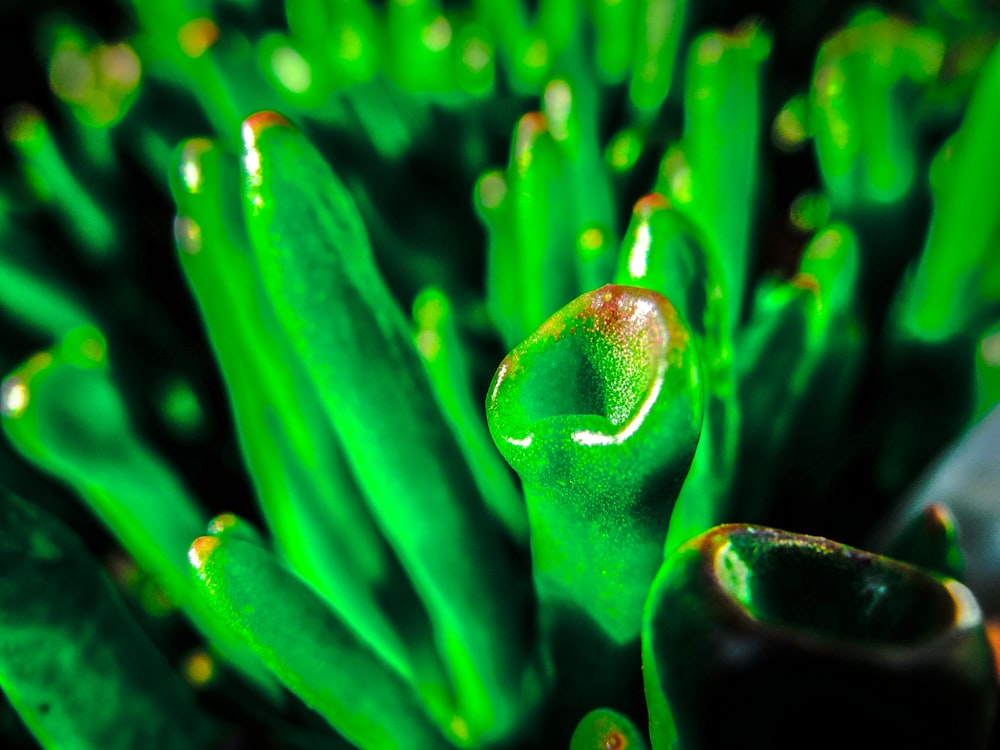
(649, 204)
(201, 549)
(260, 121)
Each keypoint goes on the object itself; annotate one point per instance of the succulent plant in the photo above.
(607, 375)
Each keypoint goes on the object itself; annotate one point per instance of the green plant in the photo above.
(731, 288)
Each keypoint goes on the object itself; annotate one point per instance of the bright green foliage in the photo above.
(49, 402)
(38, 303)
(737, 263)
(799, 361)
(555, 189)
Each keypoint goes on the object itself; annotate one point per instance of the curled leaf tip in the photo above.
(610, 348)
(612, 369)
(884, 601)
(807, 282)
(599, 411)
(253, 127)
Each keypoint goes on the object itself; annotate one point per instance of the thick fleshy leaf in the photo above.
(309, 497)
(930, 540)
(354, 343)
(657, 33)
(530, 246)
(29, 296)
(313, 652)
